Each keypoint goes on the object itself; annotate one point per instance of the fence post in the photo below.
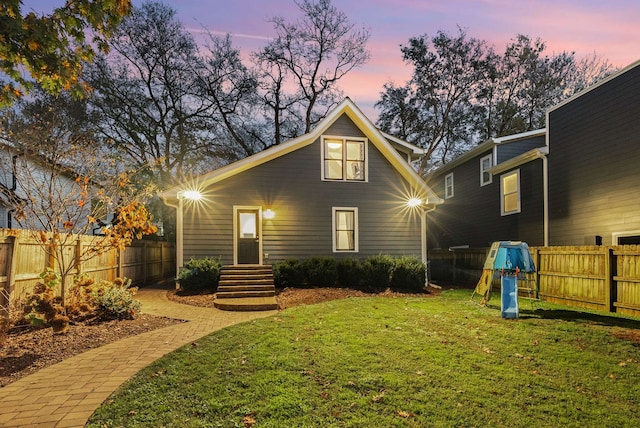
(11, 272)
(145, 249)
(453, 267)
(78, 256)
(610, 289)
(536, 260)
(120, 267)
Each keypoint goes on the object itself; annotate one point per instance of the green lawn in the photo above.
(385, 362)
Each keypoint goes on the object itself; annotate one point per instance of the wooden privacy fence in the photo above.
(598, 277)
(23, 259)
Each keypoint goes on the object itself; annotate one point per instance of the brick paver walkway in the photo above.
(67, 394)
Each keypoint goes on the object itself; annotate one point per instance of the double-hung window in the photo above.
(510, 192)
(344, 159)
(486, 162)
(345, 229)
(448, 186)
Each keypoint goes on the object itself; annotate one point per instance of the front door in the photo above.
(248, 235)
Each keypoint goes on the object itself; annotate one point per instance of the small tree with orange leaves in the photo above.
(61, 186)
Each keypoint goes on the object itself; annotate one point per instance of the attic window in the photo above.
(344, 159)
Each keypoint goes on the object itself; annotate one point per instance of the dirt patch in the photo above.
(290, 297)
(25, 351)
(202, 298)
(632, 335)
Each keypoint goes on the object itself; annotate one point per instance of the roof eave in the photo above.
(531, 155)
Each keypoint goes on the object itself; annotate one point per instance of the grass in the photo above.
(395, 362)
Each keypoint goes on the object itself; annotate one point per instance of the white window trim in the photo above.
(516, 211)
(356, 244)
(447, 194)
(615, 236)
(482, 171)
(344, 140)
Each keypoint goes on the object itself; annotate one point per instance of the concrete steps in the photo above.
(246, 288)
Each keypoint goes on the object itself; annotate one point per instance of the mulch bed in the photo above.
(26, 350)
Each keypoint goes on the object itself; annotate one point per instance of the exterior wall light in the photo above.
(269, 214)
(414, 202)
(192, 195)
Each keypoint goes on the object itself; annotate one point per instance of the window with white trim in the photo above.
(626, 238)
(344, 159)
(345, 229)
(510, 193)
(486, 177)
(448, 186)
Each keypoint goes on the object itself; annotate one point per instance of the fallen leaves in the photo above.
(249, 420)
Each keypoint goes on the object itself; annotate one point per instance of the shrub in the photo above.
(115, 299)
(200, 274)
(409, 273)
(80, 302)
(320, 271)
(350, 272)
(42, 308)
(377, 271)
(288, 273)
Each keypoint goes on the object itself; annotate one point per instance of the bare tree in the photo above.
(148, 92)
(310, 56)
(231, 89)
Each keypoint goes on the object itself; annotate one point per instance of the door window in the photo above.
(248, 225)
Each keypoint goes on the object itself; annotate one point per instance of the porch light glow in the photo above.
(192, 195)
(414, 202)
(269, 214)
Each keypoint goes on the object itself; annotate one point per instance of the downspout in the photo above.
(545, 182)
(179, 231)
(545, 202)
(423, 226)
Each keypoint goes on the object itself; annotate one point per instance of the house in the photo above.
(594, 181)
(36, 193)
(573, 183)
(494, 192)
(345, 190)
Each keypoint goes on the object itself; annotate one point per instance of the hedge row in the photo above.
(200, 274)
(376, 272)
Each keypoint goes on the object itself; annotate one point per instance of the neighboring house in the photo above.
(345, 190)
(573, 183)
(25, 175)
(594, 161)
(494, 192)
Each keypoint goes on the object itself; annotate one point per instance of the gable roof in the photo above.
(347, 107)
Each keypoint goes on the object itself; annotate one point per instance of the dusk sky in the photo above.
(610, 29)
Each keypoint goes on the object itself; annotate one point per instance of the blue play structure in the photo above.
(507, 260)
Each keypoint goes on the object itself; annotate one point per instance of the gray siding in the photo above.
(594, 184)
(472, 217)
(512, 149)
(302, 227)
